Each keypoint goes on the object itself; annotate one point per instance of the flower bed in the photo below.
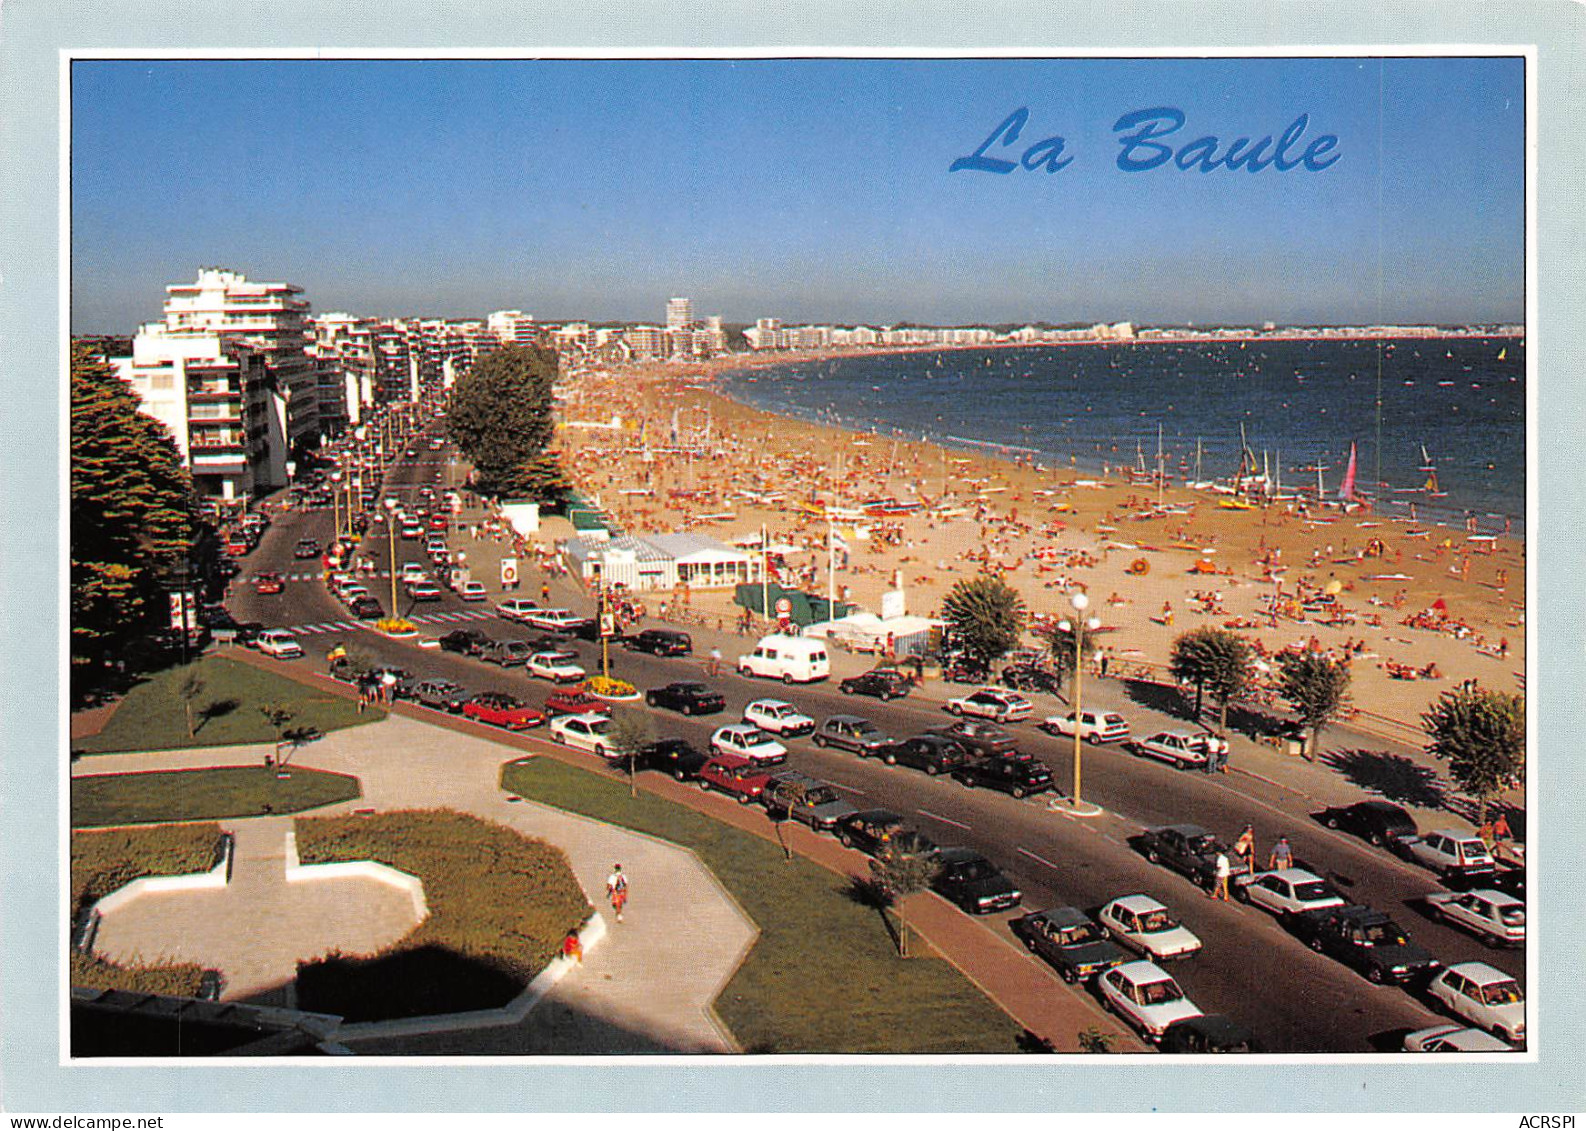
(396, 627)
(615, 690)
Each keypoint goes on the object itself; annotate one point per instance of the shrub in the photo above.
(500, 905)
(395, 624)
(104, 861)
(112, 858)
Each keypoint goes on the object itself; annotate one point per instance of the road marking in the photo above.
(939, 817)
(1038, 859)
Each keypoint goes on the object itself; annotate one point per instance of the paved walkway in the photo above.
(257, 928)
(647, 987)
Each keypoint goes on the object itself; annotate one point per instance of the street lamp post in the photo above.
(390, 526)
(1078, 627)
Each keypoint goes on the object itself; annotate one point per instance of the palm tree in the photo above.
(899, 875)
(1214, 660)
(985, 616)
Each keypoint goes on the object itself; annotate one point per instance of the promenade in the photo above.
(649, 984)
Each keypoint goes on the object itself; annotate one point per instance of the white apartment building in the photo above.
(214, 396)
(679, 313)
(511, 327)
(270, 318)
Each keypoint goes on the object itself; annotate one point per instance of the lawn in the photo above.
(153, 716)
(500, 904)
(208, 794)
(103, 862)
(824, 975)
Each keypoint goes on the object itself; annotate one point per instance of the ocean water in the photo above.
(1302, 403)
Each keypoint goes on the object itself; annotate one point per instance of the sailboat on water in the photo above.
(1431, 489)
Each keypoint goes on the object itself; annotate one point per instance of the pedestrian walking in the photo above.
(714, 668)
(1104, 660)
(1245, 847)
(545, 591)
(1222, 870)
(617, 890)
(1282, 855)
(1500, 828)
(573, 947)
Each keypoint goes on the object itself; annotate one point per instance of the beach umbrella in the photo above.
(1440, 605)
(1334, 588)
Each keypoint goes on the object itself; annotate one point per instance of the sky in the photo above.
(816, 190)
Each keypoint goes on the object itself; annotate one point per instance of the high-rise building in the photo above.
(679, 313)
(512, 327)
(270, 318)
(230, 375)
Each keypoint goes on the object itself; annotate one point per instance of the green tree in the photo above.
(985, 616)
(543, 478)
(1481, 735)
(1317, 688)
(1214, 660)
(191, 688)
(501, 417)
(133, 512)
(897, 876)
(628, 736)
(790, 794)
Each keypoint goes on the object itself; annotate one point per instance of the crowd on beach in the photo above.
(686, 458)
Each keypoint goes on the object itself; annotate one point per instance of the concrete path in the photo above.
(257, 928)
(648, 987)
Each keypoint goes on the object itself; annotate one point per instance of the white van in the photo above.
(792, 659)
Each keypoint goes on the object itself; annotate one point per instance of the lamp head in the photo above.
(1080, 602)
(1064, 626)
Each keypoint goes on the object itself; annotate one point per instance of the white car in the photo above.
(472, 591)
(1180, 748)
(1095, 727)
(1146, 996)
(779, 718)
(517, 608)
(411, 571)
(1144, 925)
(1453, 1038)
(1452, 853)
(995, 703)
(552, 620)
(1486, 997)
(1288, 891)
(279, 643)
(558, 667)
(1490, 914)
(748, 742)
(425, 590)
(582, 732)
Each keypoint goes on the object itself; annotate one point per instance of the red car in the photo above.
(739, 776)
(269, 582)
(500, 710)
(573, 701)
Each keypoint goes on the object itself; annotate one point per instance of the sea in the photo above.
(1408, 404)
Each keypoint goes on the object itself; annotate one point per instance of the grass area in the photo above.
(207, 794)
(102, 862)
(153, 715)
(500, 904)
(824, 975)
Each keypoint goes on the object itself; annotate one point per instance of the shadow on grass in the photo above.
(1394, 776)
(405, 983)
(219, 709)
(868, 893)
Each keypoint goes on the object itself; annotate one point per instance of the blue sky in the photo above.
(811, 190)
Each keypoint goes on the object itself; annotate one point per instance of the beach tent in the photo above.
(806, 608)
(866, 632)
(702, 562)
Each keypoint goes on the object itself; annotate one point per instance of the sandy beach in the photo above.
(1154, 562)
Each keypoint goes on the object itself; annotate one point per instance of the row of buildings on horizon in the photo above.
(248, 379)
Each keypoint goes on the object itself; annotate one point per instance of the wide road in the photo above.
(1251, 969)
